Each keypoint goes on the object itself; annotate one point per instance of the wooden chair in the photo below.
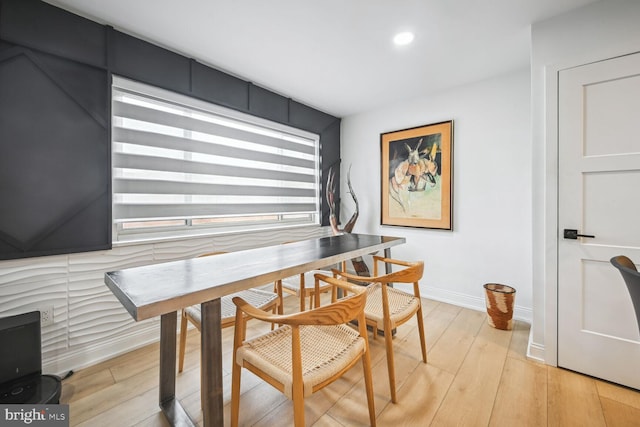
(311, 350)
(264, 300)
(388, 307)
(631, 278)
(302, 286)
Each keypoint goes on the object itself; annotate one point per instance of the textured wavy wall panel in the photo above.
(27, 285)
(236, 242)
(183, 249)
(87, 315)
(94, 312)
(26, 271)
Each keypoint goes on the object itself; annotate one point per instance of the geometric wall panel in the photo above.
(305, 117)
(264, 103)
(330, 158)
(214, 85)
(46, 28)
(142, 61)
(54, 160)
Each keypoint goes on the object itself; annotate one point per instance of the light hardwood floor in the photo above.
(476, 376)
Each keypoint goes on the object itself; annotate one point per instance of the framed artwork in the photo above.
(417, 170)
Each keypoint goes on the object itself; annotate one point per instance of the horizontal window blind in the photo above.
(175, 157)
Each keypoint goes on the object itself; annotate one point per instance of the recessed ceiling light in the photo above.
(402, 39)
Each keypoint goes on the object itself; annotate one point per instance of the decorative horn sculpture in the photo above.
(358, 263)
(331, 190)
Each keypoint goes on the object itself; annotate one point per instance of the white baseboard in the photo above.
(535, 351)
(88, 356)
(471, 301)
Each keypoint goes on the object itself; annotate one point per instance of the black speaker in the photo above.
(37, 390)
(21, 379)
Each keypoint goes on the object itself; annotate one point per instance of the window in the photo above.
(182, 166)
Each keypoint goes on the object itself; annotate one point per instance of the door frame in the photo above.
(551, 235)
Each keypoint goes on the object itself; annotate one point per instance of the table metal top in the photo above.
(157, 289)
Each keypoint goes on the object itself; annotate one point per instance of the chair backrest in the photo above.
(335, 313)
(632, 279)
(411, 274)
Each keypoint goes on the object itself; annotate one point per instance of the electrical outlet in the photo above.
(46, 316)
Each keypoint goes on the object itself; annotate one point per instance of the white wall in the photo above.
(599, 31)
(491, 237)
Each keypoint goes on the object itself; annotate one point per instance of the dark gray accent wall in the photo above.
(55, 122)
(142, 61)
(54, 155)
(330, 158)
(215, 86)
(40, 26)
(268, 105)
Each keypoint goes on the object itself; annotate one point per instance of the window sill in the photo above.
(199, 234)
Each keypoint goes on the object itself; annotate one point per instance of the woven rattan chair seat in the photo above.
(326, 350)
(293, 283)
(256, 297)
(401, 305)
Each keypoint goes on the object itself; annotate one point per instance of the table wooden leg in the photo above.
(211, 364)
(173, 411)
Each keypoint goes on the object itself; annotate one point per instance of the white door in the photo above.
(599, 195)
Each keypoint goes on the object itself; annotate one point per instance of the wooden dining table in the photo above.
(163, 289)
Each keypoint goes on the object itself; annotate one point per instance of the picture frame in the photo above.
(417, 176)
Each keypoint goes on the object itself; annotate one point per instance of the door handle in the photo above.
(573, 234)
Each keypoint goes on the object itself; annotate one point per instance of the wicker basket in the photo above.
(500, 300)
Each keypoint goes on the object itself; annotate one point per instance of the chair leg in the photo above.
(235, 393)
(274, 311)
(374, 330)
(423, 344)
(303, 295)
(297, 387)
(277, 288)
(388, 340)
(298, 410)
(183, 341)
(368, 382)
(302, 292)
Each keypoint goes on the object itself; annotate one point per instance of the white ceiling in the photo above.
(337, 55)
